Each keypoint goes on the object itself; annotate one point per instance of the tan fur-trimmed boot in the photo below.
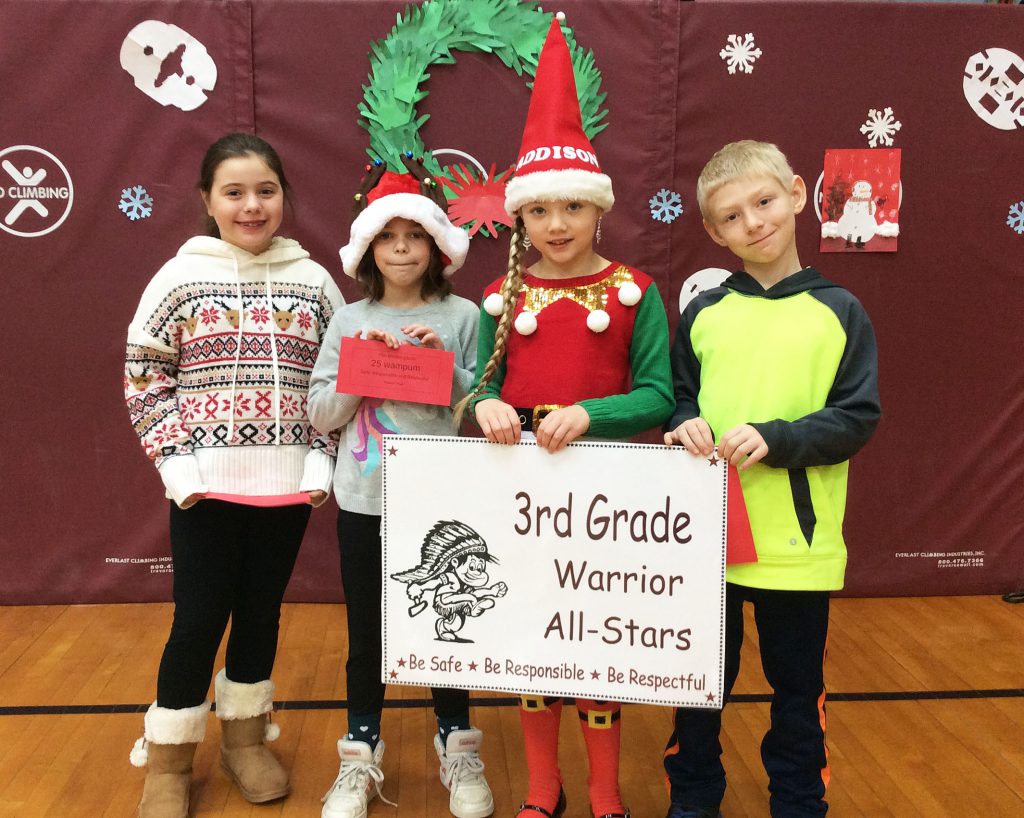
(166, 751)
(243, 710)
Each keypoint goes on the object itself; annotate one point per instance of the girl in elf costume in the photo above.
(574, 345)
(218, 361)
(402, 250)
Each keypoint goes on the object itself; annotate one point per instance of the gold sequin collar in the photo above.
(589, 296)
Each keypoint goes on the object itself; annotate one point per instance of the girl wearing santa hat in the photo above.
(402, 250)
(575, 344)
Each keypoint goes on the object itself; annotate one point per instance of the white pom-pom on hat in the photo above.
(598, 320)
(526, 323)
(493, 304)
(629, 294)
(271, 732)
(560, 16)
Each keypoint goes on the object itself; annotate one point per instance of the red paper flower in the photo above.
(478, 202)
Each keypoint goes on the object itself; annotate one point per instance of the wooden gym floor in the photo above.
(925, 718)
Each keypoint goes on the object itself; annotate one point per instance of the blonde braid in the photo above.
(510, 292)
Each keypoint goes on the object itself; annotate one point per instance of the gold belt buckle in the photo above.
(541, 411)
(600, 719)
(533, 703)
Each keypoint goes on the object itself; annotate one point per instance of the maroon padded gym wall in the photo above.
(936, 504)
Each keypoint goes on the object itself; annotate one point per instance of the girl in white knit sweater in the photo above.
(218, 362)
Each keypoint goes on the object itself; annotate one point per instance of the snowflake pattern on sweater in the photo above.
(179, 392)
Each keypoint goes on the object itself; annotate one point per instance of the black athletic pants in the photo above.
(792, 627)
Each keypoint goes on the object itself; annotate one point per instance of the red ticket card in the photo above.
(738, 537)
(409, 373)
(261, 500)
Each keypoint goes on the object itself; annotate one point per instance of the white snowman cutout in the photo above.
(700, 281)
(186, 81)
(857, 224)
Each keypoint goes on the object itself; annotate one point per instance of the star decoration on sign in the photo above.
(392, 451)
(472, 665)
(711, 697)
(401, 662)
(595, 675)
(394, 674)
(712, 461)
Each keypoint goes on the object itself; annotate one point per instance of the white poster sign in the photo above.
(596, 572)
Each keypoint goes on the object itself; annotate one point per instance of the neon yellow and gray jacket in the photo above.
(798, 362)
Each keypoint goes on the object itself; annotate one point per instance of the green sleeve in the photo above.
(484, 349)
(650, 401)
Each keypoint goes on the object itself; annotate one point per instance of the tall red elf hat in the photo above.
(556, 160)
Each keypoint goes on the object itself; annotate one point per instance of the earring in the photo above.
(597, 235)
(527, 244)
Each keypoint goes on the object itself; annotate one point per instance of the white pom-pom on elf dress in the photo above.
(598, 320)
(493, 304)
(629, 294)
(526, 323)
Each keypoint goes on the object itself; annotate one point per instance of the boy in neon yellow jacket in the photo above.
(777, 367)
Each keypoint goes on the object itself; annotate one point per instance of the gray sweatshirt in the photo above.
(363, 421)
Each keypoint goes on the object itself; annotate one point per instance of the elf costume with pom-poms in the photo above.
(597, 341)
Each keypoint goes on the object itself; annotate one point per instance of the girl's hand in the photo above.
(379, 335)
(498, 421)
(694, 435)
(562, 427)
(190, 501)
(425, 335)
(743, 442)
(317, 497)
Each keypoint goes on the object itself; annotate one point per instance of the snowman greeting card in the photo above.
(860, 200)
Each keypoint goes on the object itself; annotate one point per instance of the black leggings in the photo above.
(359, 544)
(229, 561)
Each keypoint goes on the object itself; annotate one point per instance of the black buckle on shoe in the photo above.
(559, 807)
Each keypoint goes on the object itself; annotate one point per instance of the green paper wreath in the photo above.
(428, 34)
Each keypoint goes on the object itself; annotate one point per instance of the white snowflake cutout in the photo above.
(666, 206)
(1015, 218)
(135, 202)
(740, 53)
(880, 127)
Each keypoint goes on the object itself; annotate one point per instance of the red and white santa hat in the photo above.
(556, 160)
(398, 195)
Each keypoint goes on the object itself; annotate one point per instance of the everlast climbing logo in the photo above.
(36, 193)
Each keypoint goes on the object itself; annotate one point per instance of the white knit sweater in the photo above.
(217, 369)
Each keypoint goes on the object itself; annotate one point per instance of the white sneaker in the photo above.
(358, 781)
(462, 773)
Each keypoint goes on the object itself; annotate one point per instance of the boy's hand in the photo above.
(743, 441)
(562, 426)
(498, 421)
(694, 435)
